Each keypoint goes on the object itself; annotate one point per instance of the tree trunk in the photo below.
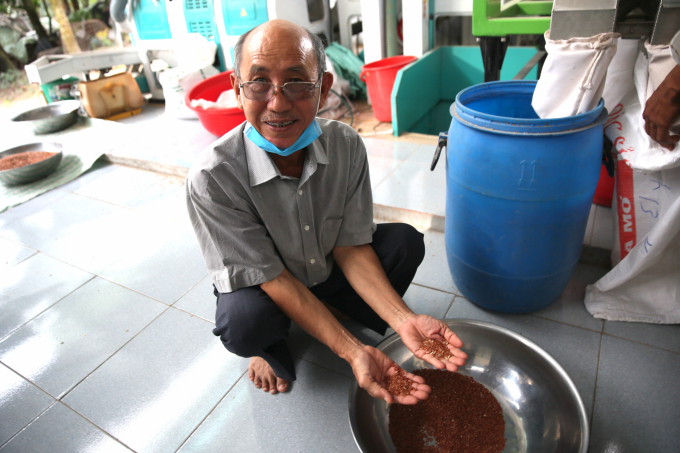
(68, 39)
(5, 62)
(29, 7)
(75, 5)
(49, 17)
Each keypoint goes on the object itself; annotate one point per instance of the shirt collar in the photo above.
(318, 153)
(261, 168)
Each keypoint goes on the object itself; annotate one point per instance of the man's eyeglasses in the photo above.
(264, 91)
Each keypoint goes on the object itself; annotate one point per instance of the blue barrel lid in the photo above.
(505, 107)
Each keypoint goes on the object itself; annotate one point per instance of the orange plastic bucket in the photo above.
(379, 77)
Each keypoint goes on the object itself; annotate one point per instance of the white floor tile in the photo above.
(167, 265)
(120, 185)
(156, 390)
(379, 169)
(20, 402)
(59, 348)
(434, 270)
(200, 300)
(664, 336)
(390, 149)
(12, 253)
(637, 399)
(424, 155)
(569, 308)
(413, 186)
(310, 417)
(32, 286)
(428, 301)
(35, 204)
(61, 430)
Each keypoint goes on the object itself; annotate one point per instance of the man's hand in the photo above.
(661, 110)
(371, 367)
(417, 328)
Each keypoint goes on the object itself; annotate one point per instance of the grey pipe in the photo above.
(118, 10)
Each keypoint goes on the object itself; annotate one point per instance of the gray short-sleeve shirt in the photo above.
(252, 222)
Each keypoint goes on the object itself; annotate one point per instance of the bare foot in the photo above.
(263, 376)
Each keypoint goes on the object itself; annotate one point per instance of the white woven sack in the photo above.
(644, 285)
(641, 200)
(573, 75)
(640, 151)
(619, 79)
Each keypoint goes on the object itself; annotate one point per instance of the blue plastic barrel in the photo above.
(519, 191)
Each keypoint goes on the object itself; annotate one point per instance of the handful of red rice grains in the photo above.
(437, 348)
(398, 384)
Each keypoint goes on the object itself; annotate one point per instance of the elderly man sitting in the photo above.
(283, 212)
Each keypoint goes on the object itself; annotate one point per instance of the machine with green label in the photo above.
(237, 17)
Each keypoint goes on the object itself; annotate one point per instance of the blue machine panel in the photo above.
(151, 20)
(243, 15)
(199, 16)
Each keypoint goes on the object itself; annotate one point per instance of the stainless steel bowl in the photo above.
(33, 172)
(50, 118)
(542, 409)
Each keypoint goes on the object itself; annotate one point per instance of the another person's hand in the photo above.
(421, 327)
(371, 367)
(661, 110)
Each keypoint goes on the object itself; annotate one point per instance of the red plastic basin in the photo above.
(215, 121)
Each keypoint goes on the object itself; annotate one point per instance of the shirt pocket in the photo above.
(329, 234)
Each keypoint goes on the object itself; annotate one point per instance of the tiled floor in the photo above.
(106, 313)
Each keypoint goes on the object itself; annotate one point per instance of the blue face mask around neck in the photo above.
(310, 134)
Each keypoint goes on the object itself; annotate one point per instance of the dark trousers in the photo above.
(249, 323)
